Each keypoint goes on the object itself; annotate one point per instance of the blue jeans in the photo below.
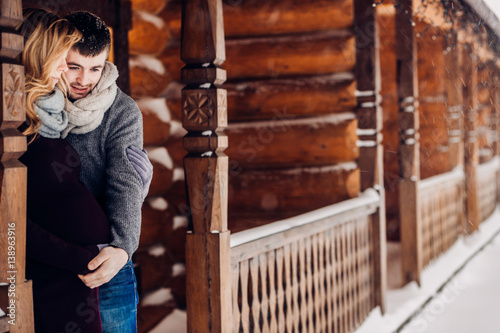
(118, 302)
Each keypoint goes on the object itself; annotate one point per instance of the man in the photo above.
(103, 122)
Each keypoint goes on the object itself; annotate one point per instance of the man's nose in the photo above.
(83, 78)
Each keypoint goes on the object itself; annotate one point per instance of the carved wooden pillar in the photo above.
(494, 116)
(407, 80)
(15, 293)
(471, 144)
(495, 96)
(455, 101)
(204, 116)
(369, 115)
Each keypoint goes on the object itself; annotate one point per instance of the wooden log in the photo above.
(148, 77)
(390, 131)
(148, 34)
(299, 142)
(155, 266)
(469, 75)
(156, 120)
(275, 191)
(409, 204)
(253, 17)
(176, 197)
(162, 179)
(271, 57)
(176, 150)
(495, 112)
(430, 60)
(150, 6)
(282, 98)
(434, 138)
(157, 221)
(483, 128)
(483, 82)
(454, 106)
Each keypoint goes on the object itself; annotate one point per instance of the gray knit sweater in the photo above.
(107, 172)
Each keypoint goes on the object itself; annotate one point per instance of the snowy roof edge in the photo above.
(486, 14)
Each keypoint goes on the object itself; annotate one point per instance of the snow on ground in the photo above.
(444, 286)
(469, 303)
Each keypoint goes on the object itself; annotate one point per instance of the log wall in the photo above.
(291, 100)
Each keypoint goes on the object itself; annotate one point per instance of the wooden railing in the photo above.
(487, 174)
(310, 273)
(442, 212)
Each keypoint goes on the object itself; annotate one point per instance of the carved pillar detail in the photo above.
(369, 115)
(204, 116)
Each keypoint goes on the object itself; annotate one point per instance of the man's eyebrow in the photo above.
(76, 64)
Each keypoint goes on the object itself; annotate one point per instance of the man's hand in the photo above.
(106, 264)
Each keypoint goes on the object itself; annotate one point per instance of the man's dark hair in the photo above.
(96, 36)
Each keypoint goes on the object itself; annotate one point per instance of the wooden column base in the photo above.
(411, 239)
(19, 298)
(208, 262)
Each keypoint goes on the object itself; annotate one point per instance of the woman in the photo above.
(66, 225)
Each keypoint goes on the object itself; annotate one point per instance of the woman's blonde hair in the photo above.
(46, 39)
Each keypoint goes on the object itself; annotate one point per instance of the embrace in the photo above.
(87, 177)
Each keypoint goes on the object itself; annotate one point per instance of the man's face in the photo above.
(84, 73)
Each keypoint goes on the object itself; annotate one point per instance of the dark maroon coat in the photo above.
(65, 224)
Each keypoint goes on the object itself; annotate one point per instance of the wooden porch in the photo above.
(323, 133)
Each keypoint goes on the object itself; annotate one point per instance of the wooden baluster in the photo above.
(407, 80)
(15, 293)
(204, 115)
(369, 115)
(471, 149)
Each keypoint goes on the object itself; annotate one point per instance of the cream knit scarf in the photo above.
(85, 114)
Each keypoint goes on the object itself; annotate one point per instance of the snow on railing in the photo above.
(456, 174)
(368, 200)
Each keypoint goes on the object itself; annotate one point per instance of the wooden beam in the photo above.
(254, 17)
(204, 115)
(15, 293)
(369, 115)
(268, 57)
(455, 100)
(282, 98)
(267, 144)
(471, 144)
(409, 205)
